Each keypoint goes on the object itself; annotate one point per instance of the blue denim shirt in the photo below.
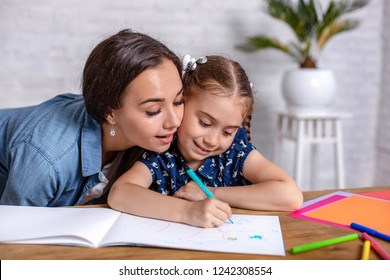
(50, 154)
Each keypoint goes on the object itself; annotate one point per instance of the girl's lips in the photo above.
(166, 139)
(202, 150)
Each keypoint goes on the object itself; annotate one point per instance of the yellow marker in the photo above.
(366, 250)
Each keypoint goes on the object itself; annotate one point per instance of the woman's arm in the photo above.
(32, 180)
(130, 194)
(272, 189)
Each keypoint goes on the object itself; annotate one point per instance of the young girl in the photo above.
(213, 140)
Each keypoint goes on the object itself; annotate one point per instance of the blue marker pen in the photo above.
(370, 231)
(202, 186)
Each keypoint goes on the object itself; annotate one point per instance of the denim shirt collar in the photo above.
(91, 146)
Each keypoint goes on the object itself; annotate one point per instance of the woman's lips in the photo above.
(166, 139)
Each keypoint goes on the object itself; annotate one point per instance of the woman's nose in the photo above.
(174, 117)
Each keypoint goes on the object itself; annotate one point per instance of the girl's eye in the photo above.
(227, 133)
(202, 123)
(151, 114)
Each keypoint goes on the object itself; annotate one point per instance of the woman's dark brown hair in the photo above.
(114, 64)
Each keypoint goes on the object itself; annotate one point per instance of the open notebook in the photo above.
(99, 227)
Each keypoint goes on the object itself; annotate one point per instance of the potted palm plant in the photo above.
(313, 27)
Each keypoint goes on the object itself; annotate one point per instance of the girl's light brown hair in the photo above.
(222, 76)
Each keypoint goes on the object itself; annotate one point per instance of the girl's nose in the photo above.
(211, 139)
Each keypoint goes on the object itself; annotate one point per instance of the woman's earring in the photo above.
(112, 132)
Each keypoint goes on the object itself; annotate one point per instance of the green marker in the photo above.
(324, 243)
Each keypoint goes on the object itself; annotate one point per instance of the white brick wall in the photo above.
(44, 45)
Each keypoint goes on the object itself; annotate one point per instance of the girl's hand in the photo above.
(207, 213)
(191, 192)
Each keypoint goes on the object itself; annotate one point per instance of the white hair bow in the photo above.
(190, 63)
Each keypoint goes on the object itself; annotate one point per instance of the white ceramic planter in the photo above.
(308, 90)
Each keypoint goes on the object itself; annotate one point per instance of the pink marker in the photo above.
(375, 245)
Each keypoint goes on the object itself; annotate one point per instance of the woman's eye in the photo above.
(153, 113)
(180, 102)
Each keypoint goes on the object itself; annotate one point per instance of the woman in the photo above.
(62, 151)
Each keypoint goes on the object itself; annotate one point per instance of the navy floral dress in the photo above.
(168, 169)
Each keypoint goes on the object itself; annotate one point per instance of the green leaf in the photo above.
(312, 26)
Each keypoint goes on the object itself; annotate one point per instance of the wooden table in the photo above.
(295, 232)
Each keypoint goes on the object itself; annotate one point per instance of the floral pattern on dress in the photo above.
(168, 169)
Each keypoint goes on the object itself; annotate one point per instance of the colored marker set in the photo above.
(366, 235)
(375, 245)
(369, 242)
